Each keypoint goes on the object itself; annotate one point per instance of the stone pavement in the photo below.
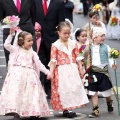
(82, 113)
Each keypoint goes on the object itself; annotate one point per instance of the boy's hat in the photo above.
(97, 31)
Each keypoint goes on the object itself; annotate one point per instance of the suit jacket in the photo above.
(69, 6)
(54, 15)
(26, 15)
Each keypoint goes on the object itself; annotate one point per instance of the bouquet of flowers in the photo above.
(97, 7)
(10, 21)
(81, 49)
(113, 21)
(114, 53)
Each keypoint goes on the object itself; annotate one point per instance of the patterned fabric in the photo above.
(22, 91)
(86, 53)
(67, 88)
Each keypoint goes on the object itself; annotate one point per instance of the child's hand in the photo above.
(114, 66)
(50, 76)
(12, 30)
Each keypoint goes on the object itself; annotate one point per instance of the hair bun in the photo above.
(20, 38)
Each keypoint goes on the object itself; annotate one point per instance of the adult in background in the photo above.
(25, 10)
(69, 6)
(86, 6)
(48, 14)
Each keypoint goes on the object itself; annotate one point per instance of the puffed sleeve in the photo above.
(53, 56)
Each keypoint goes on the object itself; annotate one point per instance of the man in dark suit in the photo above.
(48, 20)
(69, 6)
(26, 15)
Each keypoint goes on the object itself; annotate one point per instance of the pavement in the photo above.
(82, 113)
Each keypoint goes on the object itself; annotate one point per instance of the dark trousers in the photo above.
(44, 55)
(7, 52)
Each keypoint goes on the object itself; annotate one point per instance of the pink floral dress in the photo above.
(22, 91)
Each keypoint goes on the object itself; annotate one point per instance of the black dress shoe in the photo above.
(65, 112)
(68, 114)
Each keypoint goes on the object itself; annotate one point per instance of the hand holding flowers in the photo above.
(114, 54)
(10, 21)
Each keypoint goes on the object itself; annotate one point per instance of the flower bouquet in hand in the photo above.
(114, 54)
(10, 22)
(113, 21)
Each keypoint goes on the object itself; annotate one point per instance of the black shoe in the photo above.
(68, 114)
(93, 115)
(16, 117)
(110, 106)
(65, 112)
(95, 112)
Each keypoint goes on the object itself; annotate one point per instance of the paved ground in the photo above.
(82, 113)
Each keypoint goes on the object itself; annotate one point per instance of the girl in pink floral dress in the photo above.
(68, 91)
(22, 93)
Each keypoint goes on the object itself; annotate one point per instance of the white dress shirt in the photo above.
(15, 1)
(48, 2)
(96, 57)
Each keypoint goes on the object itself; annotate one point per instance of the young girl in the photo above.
(22, 93)
(97, 75)
(67, 89)
(81, 37)
(113, 30)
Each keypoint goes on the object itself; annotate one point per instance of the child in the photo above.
(38, 35)
(97, 75)
(22, 93)
(81, 37)
(94, 22)
(67, 89)
(113, 31)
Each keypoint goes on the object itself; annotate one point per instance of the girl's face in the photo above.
(28, 42)
(83, 37)
(64, 34)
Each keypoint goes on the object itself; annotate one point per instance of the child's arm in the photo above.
(43, 69)
(52, 68)
(79, 61)
(7, 43)
(53, 60)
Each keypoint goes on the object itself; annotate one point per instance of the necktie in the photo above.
(18, 5)
(45, 6)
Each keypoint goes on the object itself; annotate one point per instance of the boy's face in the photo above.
(99, 39)
(94, 19)
(103, 38)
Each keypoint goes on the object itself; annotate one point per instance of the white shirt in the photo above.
(48, 2)
(96, 57)
(15, 1)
